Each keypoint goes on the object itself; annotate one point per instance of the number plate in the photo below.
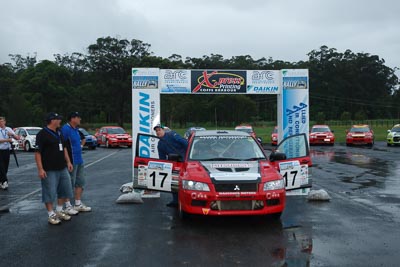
(295, 175)
(159, 176)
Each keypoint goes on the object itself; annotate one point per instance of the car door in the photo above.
(292, 159)
(23, 135)
(151, 172)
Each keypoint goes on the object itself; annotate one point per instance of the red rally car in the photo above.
(223, 173)
(360, 135)
(321, 134)
(112, 136)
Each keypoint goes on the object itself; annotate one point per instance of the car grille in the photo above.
(396, 139)
(240, 187)
(236, 205)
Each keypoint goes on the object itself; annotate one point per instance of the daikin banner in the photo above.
(145, 108)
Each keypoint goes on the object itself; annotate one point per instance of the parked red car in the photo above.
(360, 135)
(224, 173)
(321, 134)
(112, 136)
(248, 129)
(274, 136)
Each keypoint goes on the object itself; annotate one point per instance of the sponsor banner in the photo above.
(294, 104)
(175, 81)
(145, 78)
(218, 81)
(145, 115)
(263, 82)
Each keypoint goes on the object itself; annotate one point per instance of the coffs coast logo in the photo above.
(218, 81)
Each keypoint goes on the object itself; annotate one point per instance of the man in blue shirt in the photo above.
(170, 143)
(71, 134)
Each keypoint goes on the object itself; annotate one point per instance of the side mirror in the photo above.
(388, 131)
(24, 135)
(332, 131)
(174, 157)
(277, 156)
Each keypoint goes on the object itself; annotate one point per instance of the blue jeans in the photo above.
(57, 184)
(77, 176)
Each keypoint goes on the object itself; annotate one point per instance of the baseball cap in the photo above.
(74, 115)
(53, 116)
(158, 126)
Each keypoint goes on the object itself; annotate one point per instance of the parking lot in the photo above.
(358, 227)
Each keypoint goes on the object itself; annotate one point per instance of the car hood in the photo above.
(119, 135)
(223, 171)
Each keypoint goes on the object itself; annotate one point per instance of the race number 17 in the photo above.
(290, 176)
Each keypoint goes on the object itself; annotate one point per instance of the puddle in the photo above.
(26, 207)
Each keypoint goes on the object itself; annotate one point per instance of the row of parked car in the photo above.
(113, 136)
(109, 136)
(360, 134)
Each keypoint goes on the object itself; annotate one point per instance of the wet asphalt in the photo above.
(358, 227)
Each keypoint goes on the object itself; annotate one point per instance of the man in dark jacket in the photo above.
(170, 143)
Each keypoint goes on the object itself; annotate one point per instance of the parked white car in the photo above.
(27, 139)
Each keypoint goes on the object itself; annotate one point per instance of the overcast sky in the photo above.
(281, 29)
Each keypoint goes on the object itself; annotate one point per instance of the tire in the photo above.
(274, 216)
(129, 146)
(347, 144)
(27, 147)
(93, 147)
(182, 214)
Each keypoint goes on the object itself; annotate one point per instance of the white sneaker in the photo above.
(53, 219)
(82, 207)
(71, 211)
(4, 185)
(63, 216)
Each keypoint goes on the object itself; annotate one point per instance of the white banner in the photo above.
(293, 104)
(145, 109)
(175, 81)
(263, 82)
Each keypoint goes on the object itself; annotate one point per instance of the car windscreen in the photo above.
(246, 130)
(83, 131)
(115, 131)
(359, 130)
(396, 129)
(33, 131)
(319, 130)
(220, 148)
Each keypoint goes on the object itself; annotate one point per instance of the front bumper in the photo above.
(360, 141)
(232, 203)
(394, 140)
(321, 141)
(120, 143)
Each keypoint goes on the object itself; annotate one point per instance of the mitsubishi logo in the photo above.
(237, 188)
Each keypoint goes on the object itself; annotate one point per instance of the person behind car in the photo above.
(170, 143)
(53, 164)
(5, 146)
(74, 139)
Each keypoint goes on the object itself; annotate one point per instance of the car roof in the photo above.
(320, 125)
(360, 125)
(220, 133)
(30, 127)
(111, 127)
(244, 127)
(396, 125)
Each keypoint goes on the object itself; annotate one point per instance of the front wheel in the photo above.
(182, 214)
(27, 147)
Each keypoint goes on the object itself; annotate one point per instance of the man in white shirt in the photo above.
(6, 134)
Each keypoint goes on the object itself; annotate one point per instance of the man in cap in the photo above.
(73, 137)
(5, 145)
(170, 143)
(53, 164)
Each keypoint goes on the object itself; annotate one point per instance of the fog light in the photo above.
(214, 205)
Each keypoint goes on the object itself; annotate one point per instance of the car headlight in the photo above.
(197, 186)
(274, 185)
(130, 139)
(312, 136)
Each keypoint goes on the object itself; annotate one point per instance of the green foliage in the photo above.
(98, 84)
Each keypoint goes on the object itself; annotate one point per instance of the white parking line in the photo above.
(6, 207)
